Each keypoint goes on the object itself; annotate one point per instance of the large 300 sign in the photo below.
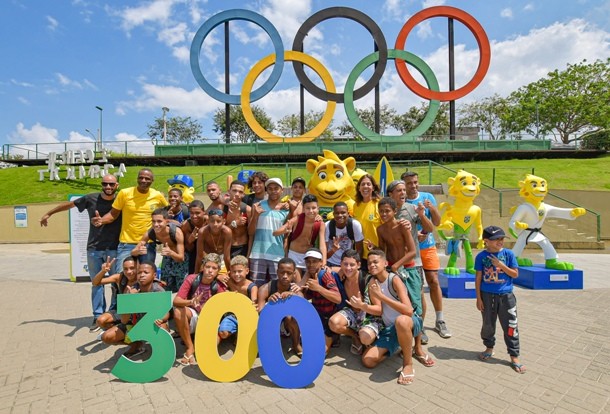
(379, 59)
(256, 334)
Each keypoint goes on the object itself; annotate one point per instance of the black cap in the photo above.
(493, 233)
(300, 180)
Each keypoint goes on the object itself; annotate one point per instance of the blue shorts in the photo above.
(228, 324)
(388, 339)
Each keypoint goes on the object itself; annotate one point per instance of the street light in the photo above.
(91, 133)
(100, 135)
(165, 110)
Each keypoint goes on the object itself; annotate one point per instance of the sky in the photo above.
(64, 58)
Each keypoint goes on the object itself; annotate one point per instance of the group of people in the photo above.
(362, 270)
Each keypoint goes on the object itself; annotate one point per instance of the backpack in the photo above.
(172, 234)
(340, 286)
(332, 230)
(197, 282)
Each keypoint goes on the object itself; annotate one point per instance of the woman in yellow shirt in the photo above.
(365, 211)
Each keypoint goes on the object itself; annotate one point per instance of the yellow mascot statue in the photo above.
(459, 217)
(331, 181)
(528, 218)
(183, 183)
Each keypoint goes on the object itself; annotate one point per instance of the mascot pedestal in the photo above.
(460, 286)
(539, 277)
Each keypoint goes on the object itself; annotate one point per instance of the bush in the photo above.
(598, 140)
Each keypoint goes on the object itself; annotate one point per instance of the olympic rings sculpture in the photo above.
(400, 56)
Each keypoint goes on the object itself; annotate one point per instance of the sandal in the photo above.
(406, 379)
(130, 353)
(484, 356)
(517, 367)
(356, 349)
(185, 361)
(424, 359)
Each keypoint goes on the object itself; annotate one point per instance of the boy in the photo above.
(120, 282)
(118, 333)
(394, 239)
(177, 210)
(237, 283)
(323, 291)
(342, 233)
(400, 323)
(297, 191)
(215, 237)
(304, 231)
(174, 267)
(237, 214)
(190, 229)
(282, 288)
(496, 268)
(349, 319)
(193, 294)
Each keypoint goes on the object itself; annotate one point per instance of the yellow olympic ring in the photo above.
(289, 55)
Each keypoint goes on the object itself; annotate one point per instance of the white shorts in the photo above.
(299, 258)
(194, 319)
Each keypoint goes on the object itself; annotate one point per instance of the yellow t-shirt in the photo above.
(368, 215)
(136, 209)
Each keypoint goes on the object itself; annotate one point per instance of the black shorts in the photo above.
(241, 250)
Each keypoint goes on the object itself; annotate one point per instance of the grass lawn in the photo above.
(22, 185)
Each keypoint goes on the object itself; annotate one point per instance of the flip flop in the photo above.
(134, 353)
(425, 360)
(355, 349)
(408, 378)
(484, 356)
(518, 368)
(185, 361)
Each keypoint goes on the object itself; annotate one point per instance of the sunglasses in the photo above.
(215, 212)
(108, 184)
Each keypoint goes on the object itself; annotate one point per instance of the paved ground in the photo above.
(51, 363)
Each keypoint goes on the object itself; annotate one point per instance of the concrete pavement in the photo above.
(51, 363)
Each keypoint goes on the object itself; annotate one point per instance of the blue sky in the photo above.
(63, 58)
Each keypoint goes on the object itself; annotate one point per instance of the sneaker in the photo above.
(94, 328)
(99, 335)
(442, 330)
(424, 337)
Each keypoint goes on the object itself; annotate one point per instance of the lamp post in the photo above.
(100, 131)
(165, 110)
(93, 136)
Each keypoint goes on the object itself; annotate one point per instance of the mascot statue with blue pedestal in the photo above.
(528, 218)
(331, 181)
(459, 217)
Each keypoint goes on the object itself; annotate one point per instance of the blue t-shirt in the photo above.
(266, 245)
(495, 280)
(421, 198)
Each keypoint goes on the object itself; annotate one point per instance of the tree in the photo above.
(179, 130)
(489, 114)
(569, 102)
(290, 125)
(367, 116)
(415, 115)
(240, 130)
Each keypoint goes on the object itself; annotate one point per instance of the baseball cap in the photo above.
(299, 180)
(181, 179)
(493, 233)
(274, 180)
(315, 253)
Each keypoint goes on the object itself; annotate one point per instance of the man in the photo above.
(427, 247)
(102, 241)
(216, 197)
(136, 204)
(238, 213)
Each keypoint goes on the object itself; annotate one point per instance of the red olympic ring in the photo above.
(479, 34)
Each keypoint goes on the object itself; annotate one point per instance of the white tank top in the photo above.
(389, 314)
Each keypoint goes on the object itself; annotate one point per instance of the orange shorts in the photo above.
(429, 258)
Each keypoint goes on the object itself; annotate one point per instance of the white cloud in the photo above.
(23, 100)
(424, 30)
(287, 16)
(20, 83)
(506, 13)
(195, 103)
(36, 134)
(432, 3)
(155, 11)
(172, 35)
(66, 81)
(182, 53)
(529, 7)
(52, 23)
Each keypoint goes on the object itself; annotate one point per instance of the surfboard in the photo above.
(383, 174)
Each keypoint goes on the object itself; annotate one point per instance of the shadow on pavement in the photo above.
(75, 323)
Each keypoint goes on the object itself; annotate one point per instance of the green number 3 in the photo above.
(155, 306)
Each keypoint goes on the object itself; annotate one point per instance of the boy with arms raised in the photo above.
(282, 288)
(194, 292)
(400, 323)
(320, 286)
(496, 268)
